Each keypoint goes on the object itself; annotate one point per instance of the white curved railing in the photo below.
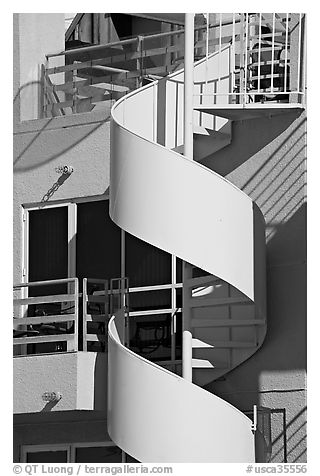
(182, 207)
(157, 416)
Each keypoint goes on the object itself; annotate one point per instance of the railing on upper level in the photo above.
(262, 57)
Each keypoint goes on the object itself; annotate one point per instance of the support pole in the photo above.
(188, 85)
(188, 152)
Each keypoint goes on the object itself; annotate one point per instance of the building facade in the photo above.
(190, 249)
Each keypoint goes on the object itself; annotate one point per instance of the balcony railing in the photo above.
(61, 316)
(262, 57)
(46, 322)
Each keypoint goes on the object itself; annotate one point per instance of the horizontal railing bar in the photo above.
(85, 49)
(44, 339)
(46, 299)
(21, 321)
(151, 312)
(267, 76)
(156, 287)
(136, 39)
(85, 64)
(97, 280)
(265, 63)
(265, 48)
(44, 283)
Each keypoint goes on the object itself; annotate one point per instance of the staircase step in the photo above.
(201, 281)
(200, 344)
(195, 322)
(206, 364)
(202, 364)
(206, 302)
(230, 344)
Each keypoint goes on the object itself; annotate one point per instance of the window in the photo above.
(95, 452)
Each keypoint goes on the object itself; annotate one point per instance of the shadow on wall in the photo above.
(290, 444)
(245, 145)
(266, 159)
(23, 90)
(39, 147)
(30, 159)
(101, 382)
(273, 377)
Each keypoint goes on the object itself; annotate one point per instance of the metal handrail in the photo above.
(246, 81)
(31, 336)
(135, 39)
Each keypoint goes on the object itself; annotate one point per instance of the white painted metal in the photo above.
(188, 153)
(272, 60)
(222, 245)
(157, 416)
(191, 212)
(286, 54)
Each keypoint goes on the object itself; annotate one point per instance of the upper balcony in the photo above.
(260, 60)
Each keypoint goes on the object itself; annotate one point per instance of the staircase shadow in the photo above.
(246, 142)
(275, 375)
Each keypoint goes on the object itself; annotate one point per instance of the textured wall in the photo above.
(81, 141)
(35, 34)
(267, 160)
(81, 379)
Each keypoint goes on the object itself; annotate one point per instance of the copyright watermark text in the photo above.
(80, 469)
(277, 468)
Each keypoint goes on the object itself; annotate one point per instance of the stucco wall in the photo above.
(35, 35)
(81, 141)
(80, 378)
(266, 158)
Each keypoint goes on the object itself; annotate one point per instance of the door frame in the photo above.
(72, 231)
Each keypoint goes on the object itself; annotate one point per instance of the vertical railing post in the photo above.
(259, 54)
(139, 61)
(247, 30)
(76, 312)
(299, 56)
(74, 90)
(273, 46)
(242, 53)
(254, 419)
(286, 54)
(173, 311)
(304, 62)
(84, 313)
(188, 152)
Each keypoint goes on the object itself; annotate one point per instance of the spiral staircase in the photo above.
(190, 211)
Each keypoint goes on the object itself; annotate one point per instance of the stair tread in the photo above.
(201, 280)
(229, 344)
(206, 364)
